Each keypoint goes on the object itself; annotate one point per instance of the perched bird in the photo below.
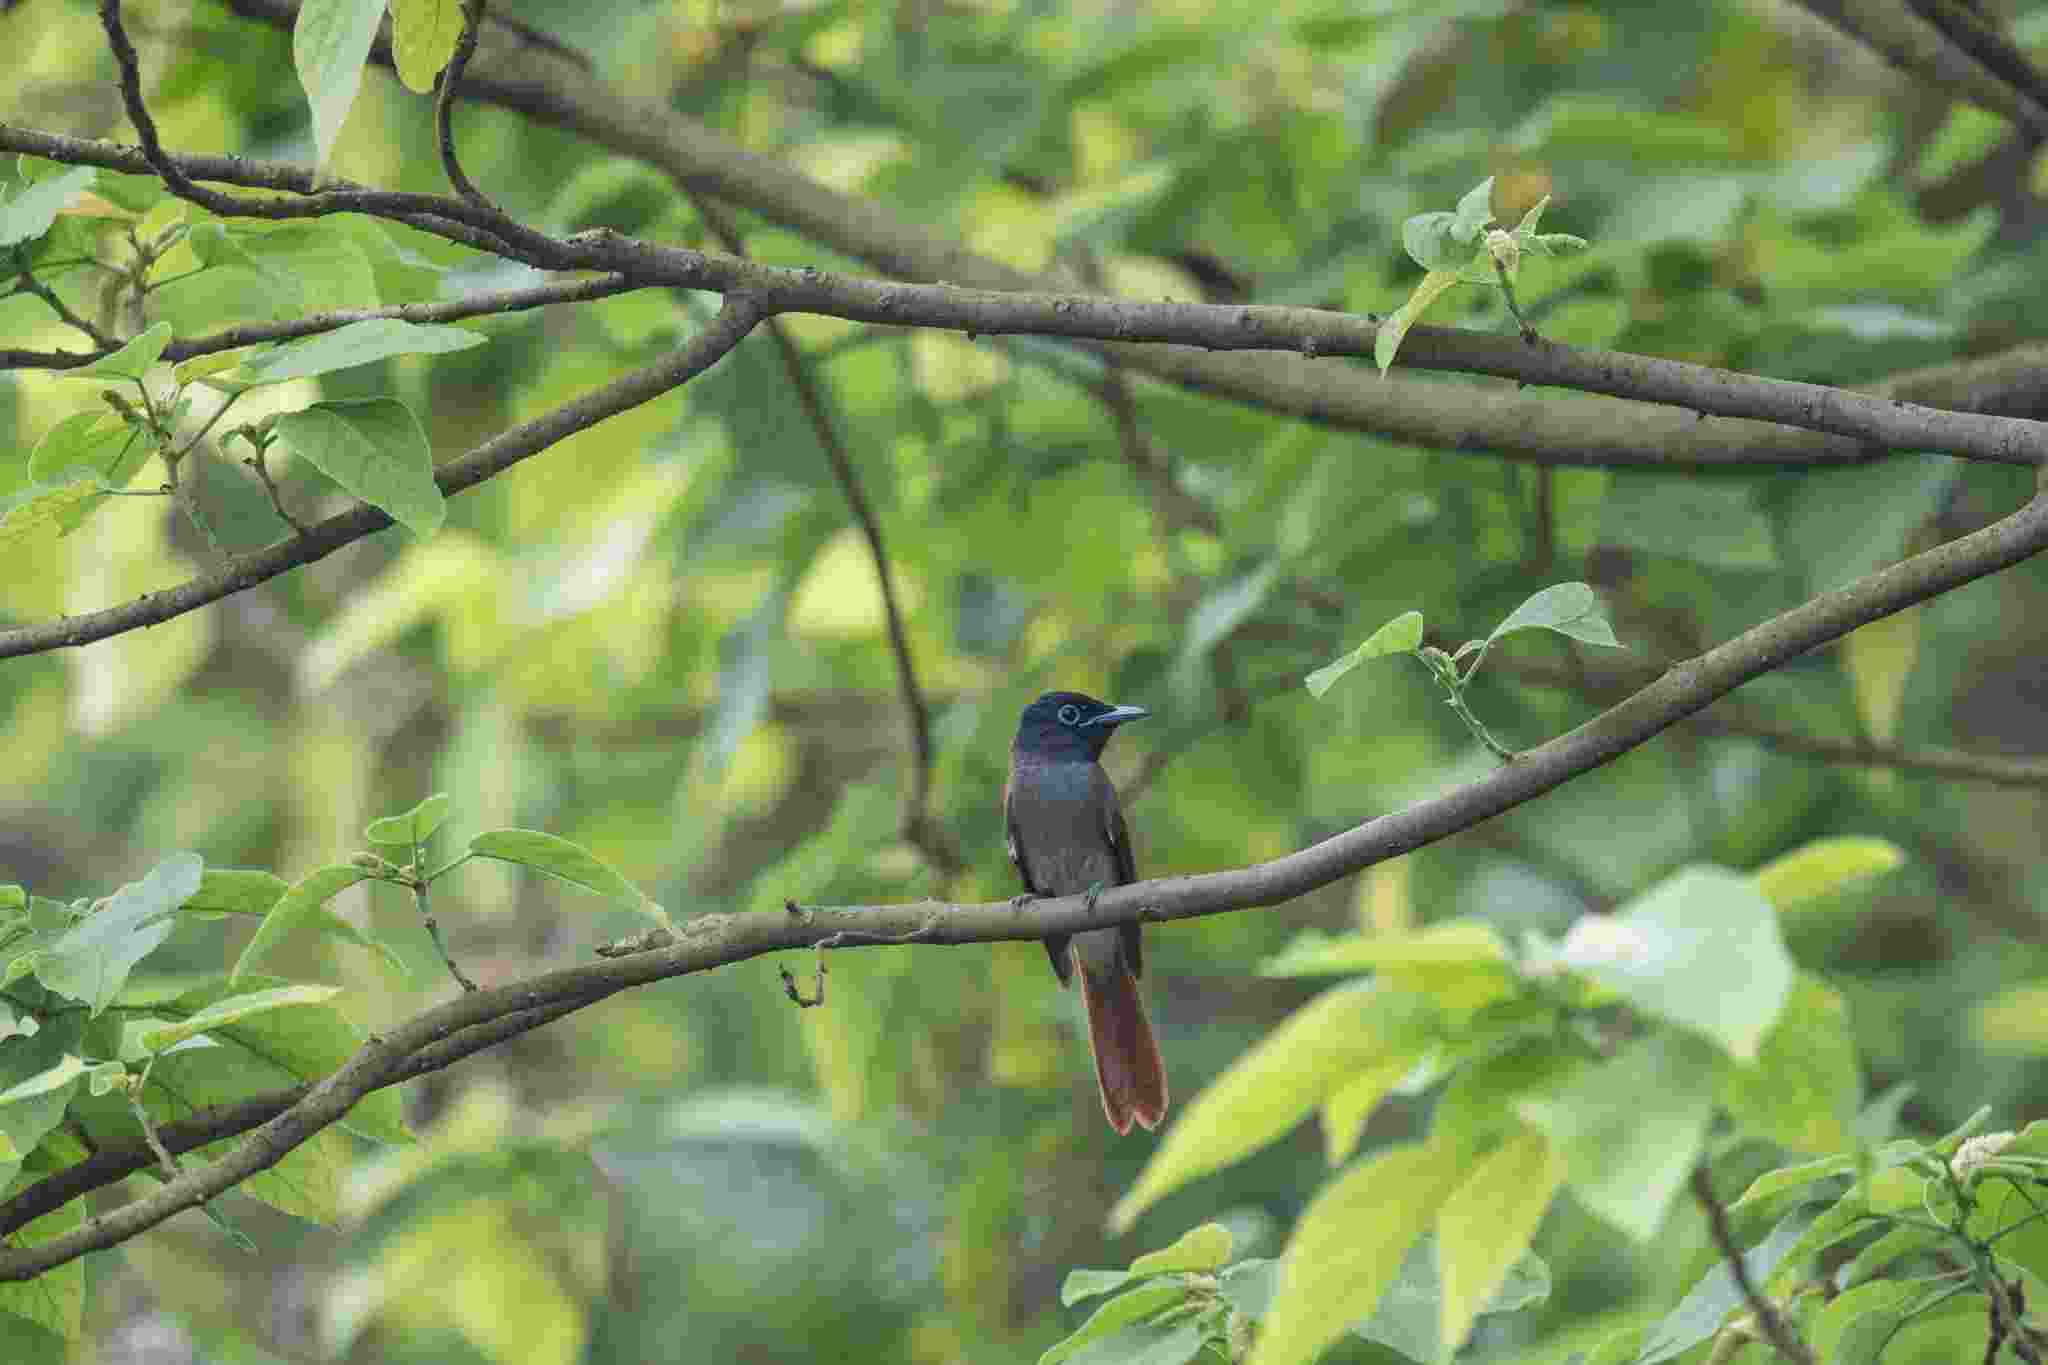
(1067, 837)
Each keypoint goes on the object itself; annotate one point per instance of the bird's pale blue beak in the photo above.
(1117, 715)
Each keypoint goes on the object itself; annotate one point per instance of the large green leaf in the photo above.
(375, 449)
(91, 961)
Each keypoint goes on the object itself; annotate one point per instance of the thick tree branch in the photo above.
(491, 458)
(716, 940)
(1547, 428)
(1868, 421)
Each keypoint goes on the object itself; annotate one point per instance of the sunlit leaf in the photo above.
(376, 450)
(293, 909)
(1398, 636)
(416, 826)
(560, 858)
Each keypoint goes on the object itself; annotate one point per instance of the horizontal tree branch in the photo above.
(1546, 428)
(1868, 421)
(717, 940)
(493, 457)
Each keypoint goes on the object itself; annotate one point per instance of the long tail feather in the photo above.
(1127, 1064)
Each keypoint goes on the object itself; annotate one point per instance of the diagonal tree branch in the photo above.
(488, 460)
(716, 940)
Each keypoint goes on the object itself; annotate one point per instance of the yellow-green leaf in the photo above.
(1488, 1222)
(1348, 1247)
(158, 1037)
(1278, 1082)
(1388, 340)
(1204, 1248)
(1823, 866)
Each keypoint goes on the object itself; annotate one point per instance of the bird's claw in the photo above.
(1021, 899)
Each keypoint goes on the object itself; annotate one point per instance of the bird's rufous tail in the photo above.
(1127, 1064)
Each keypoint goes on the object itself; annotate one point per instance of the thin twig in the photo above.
(444, 104)
(29, 284)
(919, 827)
(1770, 1322)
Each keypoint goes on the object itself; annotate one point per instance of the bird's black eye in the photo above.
(1070, 714)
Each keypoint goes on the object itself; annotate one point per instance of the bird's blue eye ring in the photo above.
(1070, 714)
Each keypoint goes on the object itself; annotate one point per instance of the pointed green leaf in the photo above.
(358, 343)
(1398, 636)
(1279, 1082)
(33, 208)
(42, 508)
(1386, 342)
(1475, 211)
(91, 960)
(1348, 1247)
(294, 907)
(416, 826)
(158, 1037)
(376, 450)
(95, 441)
(1823, 866)
(1114, 1317)
(1572, 609)
(236, 891)
(559, 858)
(131, 362)
(1487, 1224)
(423, 35)
(330, 43)
(1204, 1248)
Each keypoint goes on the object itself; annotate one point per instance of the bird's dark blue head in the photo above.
(1069, 725)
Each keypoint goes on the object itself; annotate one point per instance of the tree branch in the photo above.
(486, 304)
(716, 940)
(923, 832)
(491, 458)
(1546, 428)
(1769, 1322)
(1867, 420)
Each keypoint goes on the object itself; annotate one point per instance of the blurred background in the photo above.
(664, 639)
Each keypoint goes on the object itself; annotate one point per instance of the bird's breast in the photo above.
(1062, 826)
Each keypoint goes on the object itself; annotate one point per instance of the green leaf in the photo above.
(1276, 1084)
(1204, 1248)
(1151, 1343)
(1825, 866)
(40, 508)
(1089, 1284)
(235, 1008)
(1398, 636)
(1707, 1305)
(558, 857)
(1475, 211)
(40, 1319)
(423, 34)
(1486, 1226)
(1806, 1083)
(131, 362)
(1116, 1316)
(1408, 1316)
(41, 1072)
(1249, 1286)
(236, 891)
(95, 441)
(1427, 239)
(1347, 1248)
(1631, 1129)
(33, 208)
(1386, 341)
(12, 898)
(376, 450)
(358, 343)
(295, 906)
(416, 826)
(1572, 609)
(330, 43)
(1856, 1325)
(92, 959)
(1700, 949)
